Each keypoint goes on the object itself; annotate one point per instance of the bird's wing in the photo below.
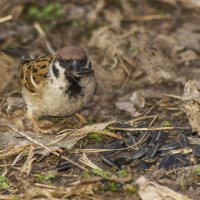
(34, 72)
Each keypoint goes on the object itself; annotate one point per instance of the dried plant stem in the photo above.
(23, 134)
(140, 119)
(150, 129)
(140, 141)
(43, 36)
(6, 18)
(148, 18)
(110, 134)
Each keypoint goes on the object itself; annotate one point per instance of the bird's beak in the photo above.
(81, 71)
(74, 65)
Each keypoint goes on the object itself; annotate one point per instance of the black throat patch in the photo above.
(74, 89)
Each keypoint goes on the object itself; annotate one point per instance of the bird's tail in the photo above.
(16, 53)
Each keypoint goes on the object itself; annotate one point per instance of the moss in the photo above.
(166, 123)
(3, 183)
(101, 173)
(43, 178)
(122, 173)
(95, 137)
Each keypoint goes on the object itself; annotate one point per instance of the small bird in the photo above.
(57, 85)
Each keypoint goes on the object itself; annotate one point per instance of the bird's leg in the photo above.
(36, 127)
(80, 117)
(34, 119)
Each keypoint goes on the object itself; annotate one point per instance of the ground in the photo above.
(143, 53)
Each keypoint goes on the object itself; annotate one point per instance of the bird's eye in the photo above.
(61, 61)
(83, 62)
(90, 65)
(64, 62)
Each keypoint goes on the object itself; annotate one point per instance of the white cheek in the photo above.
(61, 80)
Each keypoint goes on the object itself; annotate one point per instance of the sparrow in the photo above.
(57, 85)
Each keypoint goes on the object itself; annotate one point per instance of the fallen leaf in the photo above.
(85, 160)
(66, 140)
(127, 106)
(137, 98)
(27, 166)
(151, 190)
(190, 104)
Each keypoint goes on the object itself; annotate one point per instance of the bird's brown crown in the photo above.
(71, 53)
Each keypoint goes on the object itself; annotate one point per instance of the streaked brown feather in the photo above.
(37, 68)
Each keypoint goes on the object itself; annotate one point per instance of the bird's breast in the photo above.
(64, 99)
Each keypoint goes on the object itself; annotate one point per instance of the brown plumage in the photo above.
(57, 85)
(34, 71)
(72, 53)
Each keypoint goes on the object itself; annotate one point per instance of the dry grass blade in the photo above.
(150, 129)
(13, 151)
(15, 161)
(139, 142)
(140, 119)
(23, 134)
(99, 179)
(45, 186)
(7, 197)
(6, 18)
(74, 135)
(26, 168)
(86, 161)
(108, 133)
(147, 18)
(43, 36)
(172, 96)
(183, 151)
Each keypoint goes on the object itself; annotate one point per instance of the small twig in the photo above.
(40, 30)
(6, 18)
(43, 36)
(147, 18)
(140, 119)
(140, 141)
(10, 197)
(186, 169)
(44, 147)
(100, 179)
(150, 129)
(108, 133)
(7, 165)
(170, 108)
(172, 96)
(45, 186)
(154, 106)
(124, 66)
(60, 137)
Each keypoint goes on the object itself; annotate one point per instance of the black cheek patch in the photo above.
(55, 71)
